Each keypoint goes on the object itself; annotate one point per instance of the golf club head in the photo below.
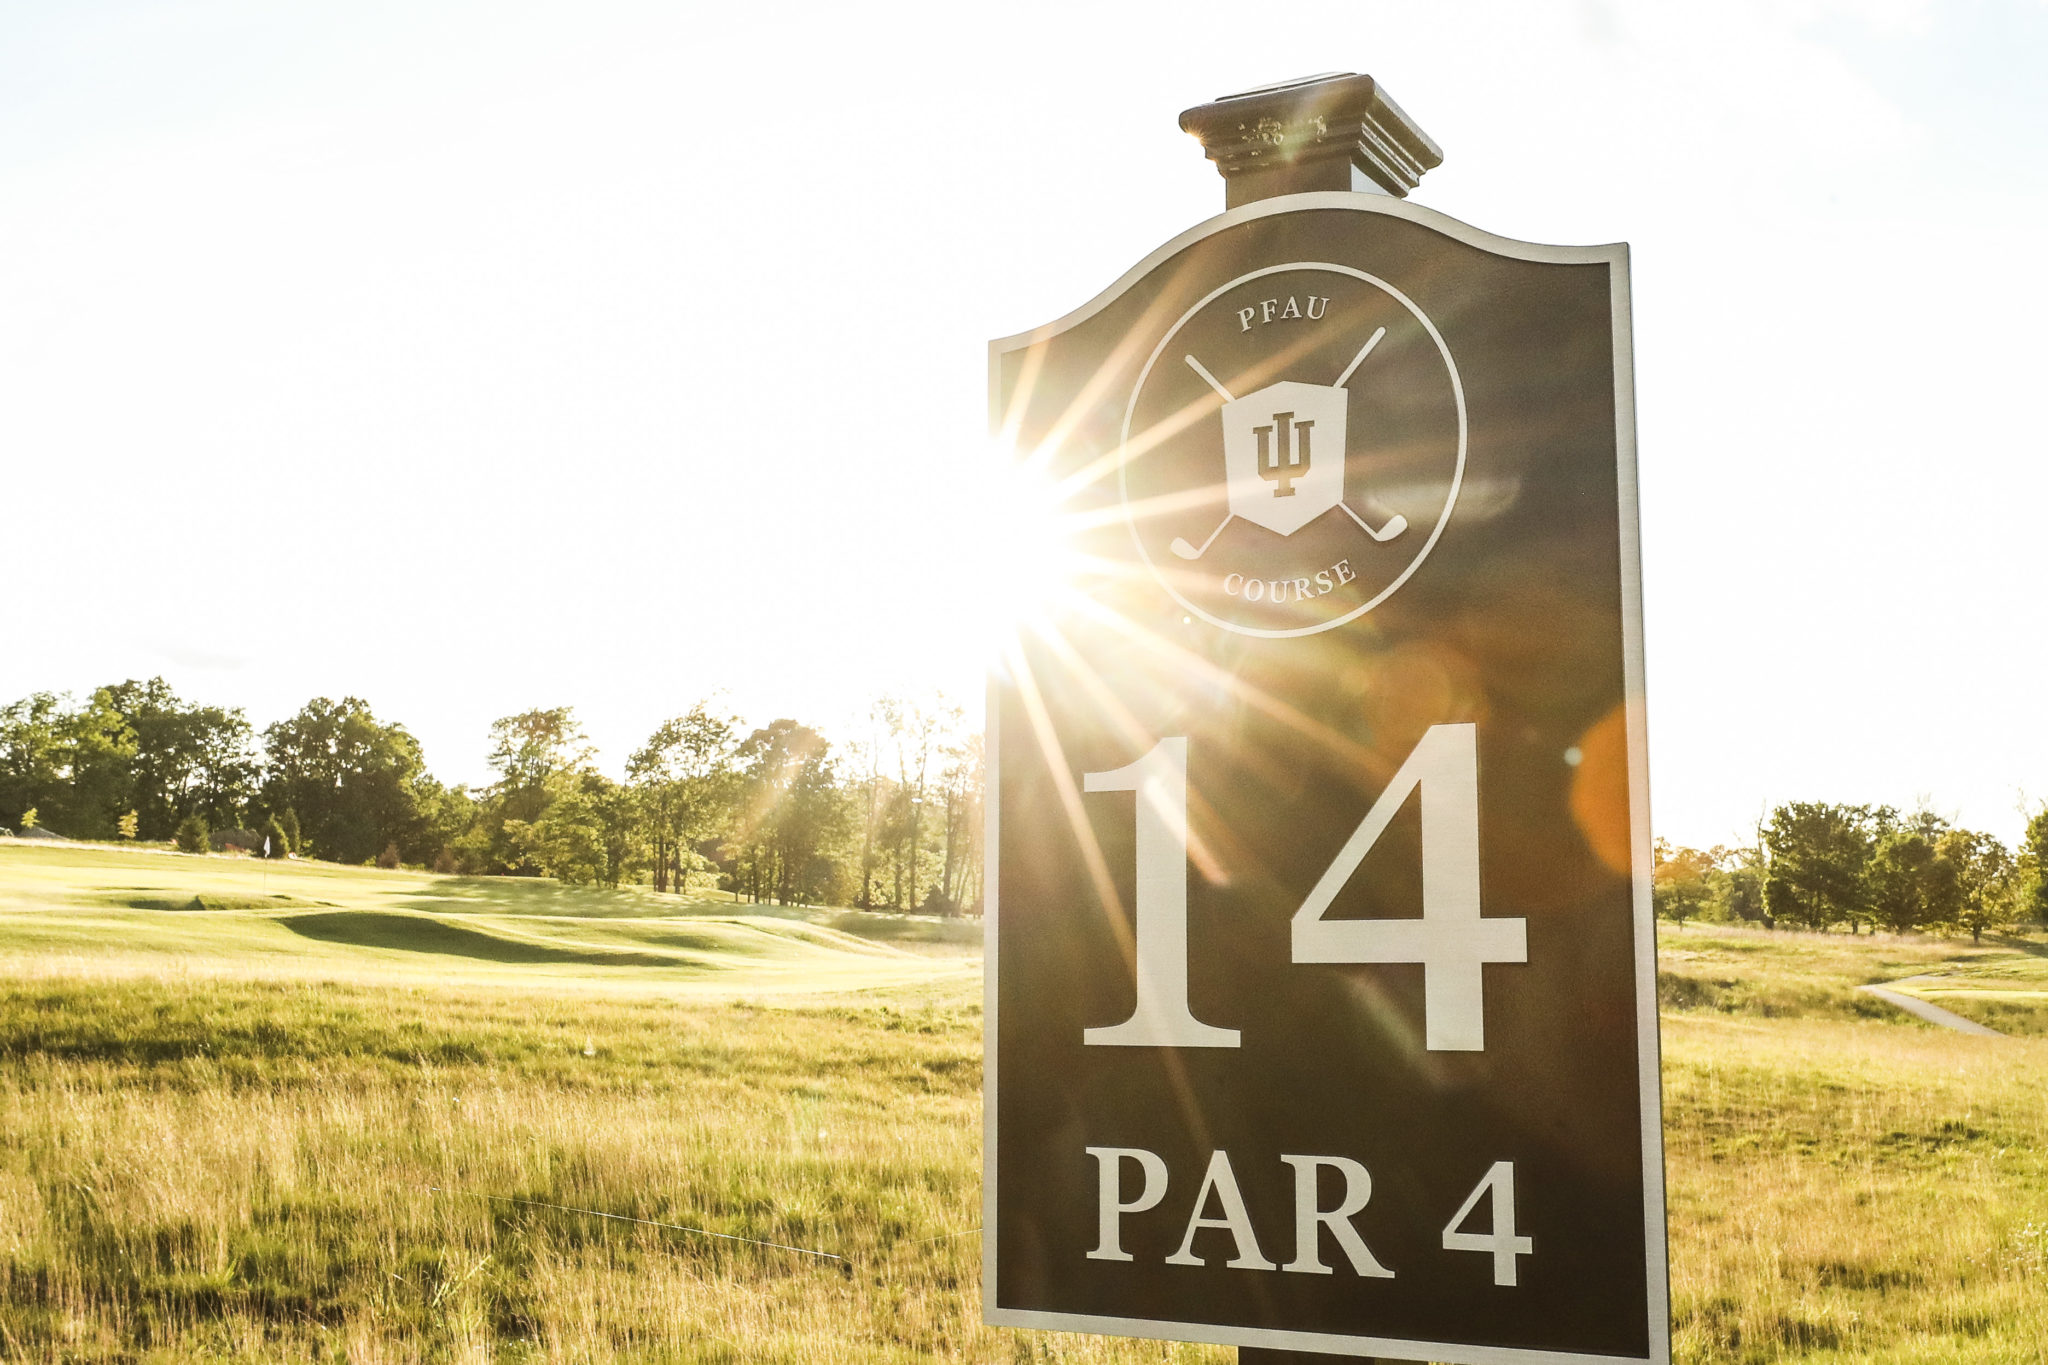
(1396, 524)
(1185, 550)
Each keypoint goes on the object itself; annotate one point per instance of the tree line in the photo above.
(889, 818)
(1816, 865)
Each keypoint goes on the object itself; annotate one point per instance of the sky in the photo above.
(470, 358)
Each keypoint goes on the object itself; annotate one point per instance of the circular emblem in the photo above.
(1293, 449)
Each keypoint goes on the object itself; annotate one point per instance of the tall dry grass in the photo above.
(223, 1165)
(283, 1172)
(1855, 1191)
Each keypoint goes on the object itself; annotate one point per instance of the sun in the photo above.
(1031, 564)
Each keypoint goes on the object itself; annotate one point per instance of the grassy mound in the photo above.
(131, 911)
(1781, 975)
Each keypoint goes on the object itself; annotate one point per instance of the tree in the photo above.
(1737, 883)
(1679, 887)
(538, 756)
(274, 838)
(792, 812)
(185, 758)
(867, 753)
(1985, 881)
(916, 729)
(2033, 868)
(447, 834)
(192, 834)
(683, 784)
(100, 753)
(67, 763)
(33, 764)
(1816, 853)
(586, 834)
(961, 784)
(1909, 884)
(128, 825)
(349, 779)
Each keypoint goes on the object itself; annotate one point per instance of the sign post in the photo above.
(1321, 981)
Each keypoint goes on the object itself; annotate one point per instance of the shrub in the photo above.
(28, 818)
(389, 857)
(240, 840)
(280, 846)
(129, 824)
(444, 861)
(290, 821)
(193, 835)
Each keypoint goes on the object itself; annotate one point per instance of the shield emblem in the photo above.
(1283, 454)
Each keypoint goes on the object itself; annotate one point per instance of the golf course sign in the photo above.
(1321, 992)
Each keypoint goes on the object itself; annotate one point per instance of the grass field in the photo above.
(324, 1117)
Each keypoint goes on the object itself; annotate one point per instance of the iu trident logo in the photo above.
(1267, 441)
(1282, 462)
(1315, 478)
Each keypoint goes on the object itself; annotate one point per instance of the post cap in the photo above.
(1338, 130)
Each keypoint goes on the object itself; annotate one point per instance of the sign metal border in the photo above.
(1616, 257)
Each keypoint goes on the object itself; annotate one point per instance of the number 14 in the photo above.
(1450, 941)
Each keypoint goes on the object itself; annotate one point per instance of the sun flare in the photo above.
(1032, 562)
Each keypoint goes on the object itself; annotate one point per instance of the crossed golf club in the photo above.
(1393, 526)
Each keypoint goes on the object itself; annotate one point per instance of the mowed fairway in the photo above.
(320, 1121)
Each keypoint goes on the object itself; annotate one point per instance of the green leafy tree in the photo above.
(100, 750)
(2033, 868)
(67, 763)
(918, 730)
(587, 834)
(349, 779)
(872, 793)
(192, 835)
(1816, 852)
(961, 791)
(274, 836)
(1909, 883)
(684, 784)
(34, 764)
(792, 816)
(1736, 886)
(1679, 885)
(539, 757)
(445, 836)
(185, 757)
(289, 822)
(129, 824)
(1985, 881)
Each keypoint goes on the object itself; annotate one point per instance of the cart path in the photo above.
(1933, 1014)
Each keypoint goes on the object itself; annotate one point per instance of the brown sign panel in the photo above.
(1321, 1007)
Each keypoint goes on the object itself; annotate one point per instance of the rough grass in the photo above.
(225, 1138)
(264, 1171)
(1784, 975)
(1853, 1191)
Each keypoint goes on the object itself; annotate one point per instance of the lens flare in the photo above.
(1032, 566)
